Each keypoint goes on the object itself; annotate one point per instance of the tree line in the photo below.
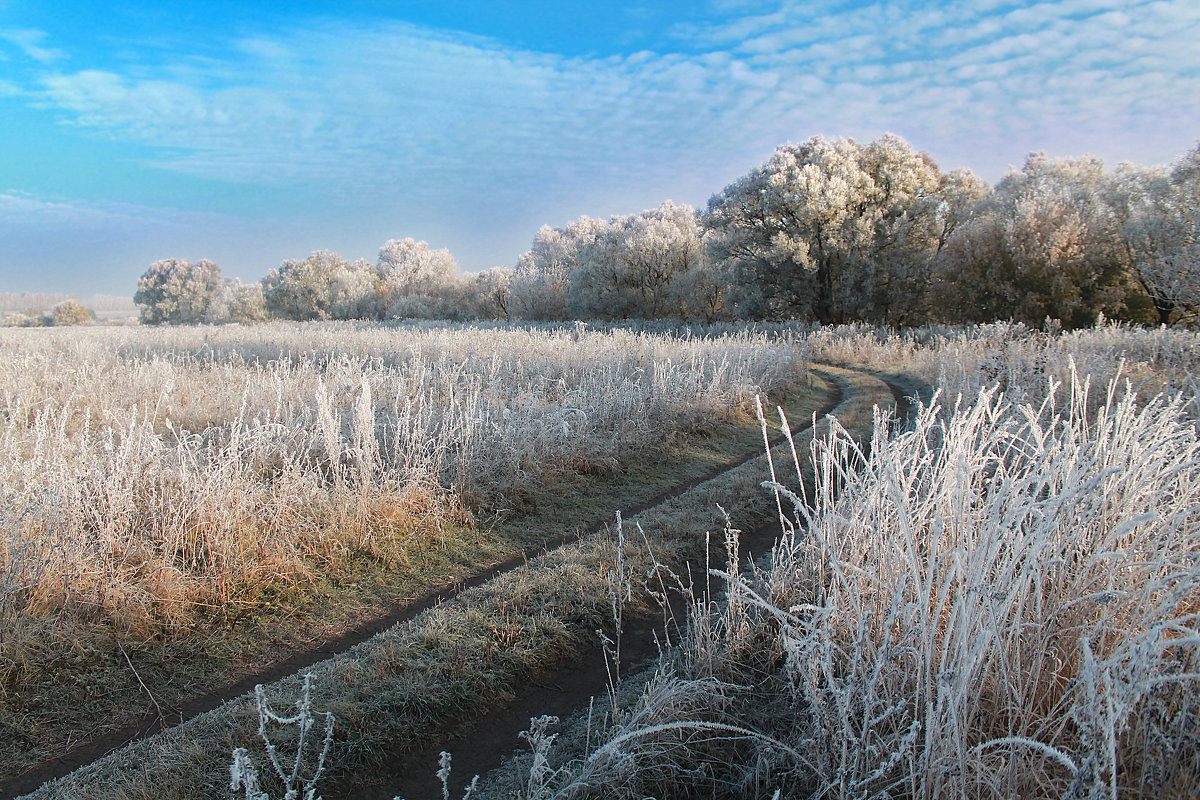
(829, 230)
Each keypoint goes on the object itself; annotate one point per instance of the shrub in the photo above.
(71, 312)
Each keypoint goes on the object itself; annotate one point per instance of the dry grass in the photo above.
(148, 474)
(180, 503)
(1000, 606)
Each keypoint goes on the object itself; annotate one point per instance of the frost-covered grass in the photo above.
(148, 474)
(1001, 601)
(402, 688)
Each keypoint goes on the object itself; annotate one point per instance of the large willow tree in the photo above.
(834, 231)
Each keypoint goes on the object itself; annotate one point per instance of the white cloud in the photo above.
(29, 42)
(332, 103)
(23, 210)
(396, 105)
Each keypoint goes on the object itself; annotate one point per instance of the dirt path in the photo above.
(482, 744)
(487, 742)
(150, 723)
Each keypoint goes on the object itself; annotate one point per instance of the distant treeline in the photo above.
(829, 230)
(23, 301)
(41, 301)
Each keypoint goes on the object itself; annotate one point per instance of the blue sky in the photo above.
(249, 133)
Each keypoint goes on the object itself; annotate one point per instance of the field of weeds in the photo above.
(176, 494)
(1002, 600)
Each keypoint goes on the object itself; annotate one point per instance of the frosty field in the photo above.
(999, 600)
(184, 504)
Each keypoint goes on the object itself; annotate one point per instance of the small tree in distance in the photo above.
(415, 277)
(489, 294)
(71, 312)
(322, 286)
(637, 266)
(542, 279)
(237, 302)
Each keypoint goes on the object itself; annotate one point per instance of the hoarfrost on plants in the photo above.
(299, 779)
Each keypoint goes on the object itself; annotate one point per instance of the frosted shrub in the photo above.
(1001, 601)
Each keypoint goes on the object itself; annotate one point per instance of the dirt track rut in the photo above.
(487, 742)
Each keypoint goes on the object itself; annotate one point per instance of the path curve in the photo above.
(489, 741)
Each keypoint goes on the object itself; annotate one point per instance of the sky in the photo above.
(251, 132)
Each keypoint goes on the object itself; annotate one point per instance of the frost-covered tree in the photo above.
(1140, 196)
(177, 291)
(487, 294)
(1059, 209)
(704, 291)
(958, 199)
(976, 272)
(247, 305)
(301, 289)
(415, 275)
(1024, 263)
(70, 312)
(596, 283)
(1161, 232)
(830, 229)
(962, 199)
(542, 277)
(912, 208)
(322, 286)
(237, 302)
(355, 291)
(1045, 243)
(635, 266)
